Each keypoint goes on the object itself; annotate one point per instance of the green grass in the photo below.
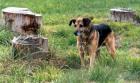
(66, 66)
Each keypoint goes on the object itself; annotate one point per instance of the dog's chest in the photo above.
(84, 40)
(84, 43)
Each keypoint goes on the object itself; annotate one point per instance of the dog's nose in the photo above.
(77, 33)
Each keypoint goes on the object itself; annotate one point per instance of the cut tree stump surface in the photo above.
(16, 10)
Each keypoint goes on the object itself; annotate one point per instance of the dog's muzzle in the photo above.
(77, 33)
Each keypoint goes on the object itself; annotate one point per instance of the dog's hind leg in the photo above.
(110, 44)
(98, 53)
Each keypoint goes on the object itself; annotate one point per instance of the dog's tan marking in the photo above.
(110, 44)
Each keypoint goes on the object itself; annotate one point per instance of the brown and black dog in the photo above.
(90, 37)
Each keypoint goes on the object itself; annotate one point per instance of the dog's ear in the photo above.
(72, 21)
(86, 21)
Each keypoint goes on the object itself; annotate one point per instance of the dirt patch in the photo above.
(135, 52)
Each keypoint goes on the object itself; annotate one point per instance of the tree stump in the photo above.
(124, 15)
(29, 47)
(22, 20)
(26, 24)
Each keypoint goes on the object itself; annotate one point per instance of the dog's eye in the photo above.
(81, 25)
(75, 25)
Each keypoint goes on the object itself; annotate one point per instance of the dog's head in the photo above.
(80, 24)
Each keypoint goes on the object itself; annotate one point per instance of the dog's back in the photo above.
(104, 30)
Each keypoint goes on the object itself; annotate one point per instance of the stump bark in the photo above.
(22, 20)
(29, 47)
(124, 15)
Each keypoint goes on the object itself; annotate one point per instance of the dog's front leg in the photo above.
(93, 48)
(81, 52)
